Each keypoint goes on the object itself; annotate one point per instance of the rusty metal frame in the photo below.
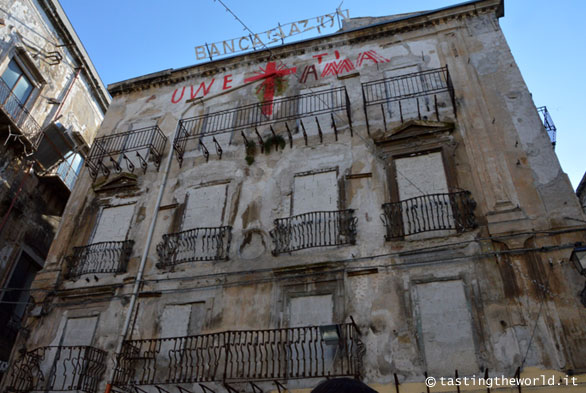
(239, 356)
(406, 87)
(431, 212)
(116, 146)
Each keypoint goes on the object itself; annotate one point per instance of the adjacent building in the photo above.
(381, 203)
(52, 103)
(580, 192)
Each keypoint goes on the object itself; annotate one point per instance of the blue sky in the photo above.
(129, 38)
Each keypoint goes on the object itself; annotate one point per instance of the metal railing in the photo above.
(252, 115)
(314, 229)
(18, 113)
(247, 355)
(548, 123)
(150, 140)
(198, 244)
(432, 212)
(58, 368)
(398, 91)
(103, 257)
(67, 173)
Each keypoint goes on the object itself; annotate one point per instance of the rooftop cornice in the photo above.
(401, 25)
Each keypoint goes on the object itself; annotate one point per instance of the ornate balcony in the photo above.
(419, 95)
(64, 368)
(246, 355)
(426, 213)
(290, 108)
(548, 123)
(146, 142)
(314, 229)
(198, 244)
(104, 257)
(19, 115)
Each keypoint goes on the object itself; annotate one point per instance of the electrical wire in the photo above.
(344, 269)
(281, 64)
(442, 247)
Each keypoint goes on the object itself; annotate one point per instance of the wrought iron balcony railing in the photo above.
(395, 95)
(314, 229)
(145, 142)
(198, 244)
(548, 123)
(432, 212)
(103, 257)
(63, 368)
(19, 115)
(247, 355)
(253, 115)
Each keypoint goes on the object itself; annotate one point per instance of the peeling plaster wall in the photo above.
(495, 147)
(31, 202)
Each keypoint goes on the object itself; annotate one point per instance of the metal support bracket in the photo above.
(321, 135)
(255, 388)
(206, 389)
(219, 150)
(289, 135)
(244, 137)
(262, 143)
(334, 126)
(129, 164)
(206, 153)
(382, 110)
(280, 387)
(143, 163)
(303, 129)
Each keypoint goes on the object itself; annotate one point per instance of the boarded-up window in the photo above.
(315, 192)
(419, 177)
(197, 318)
(205, 207)
(309, 313)
(311, 310)
(113, 224)
(180, 320)
(80, 331)
(446, 327)
(175, 320)
(65, 363)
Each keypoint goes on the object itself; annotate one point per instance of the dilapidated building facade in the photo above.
(382, 203)
(52, 103)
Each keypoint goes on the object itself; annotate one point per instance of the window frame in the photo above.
(96, 224)
(30, 70)
(341, 203)
(392, 174)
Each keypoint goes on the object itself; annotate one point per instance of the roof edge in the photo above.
(62, 24)
(419, 17)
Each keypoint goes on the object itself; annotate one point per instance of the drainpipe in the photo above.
(143, 259)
